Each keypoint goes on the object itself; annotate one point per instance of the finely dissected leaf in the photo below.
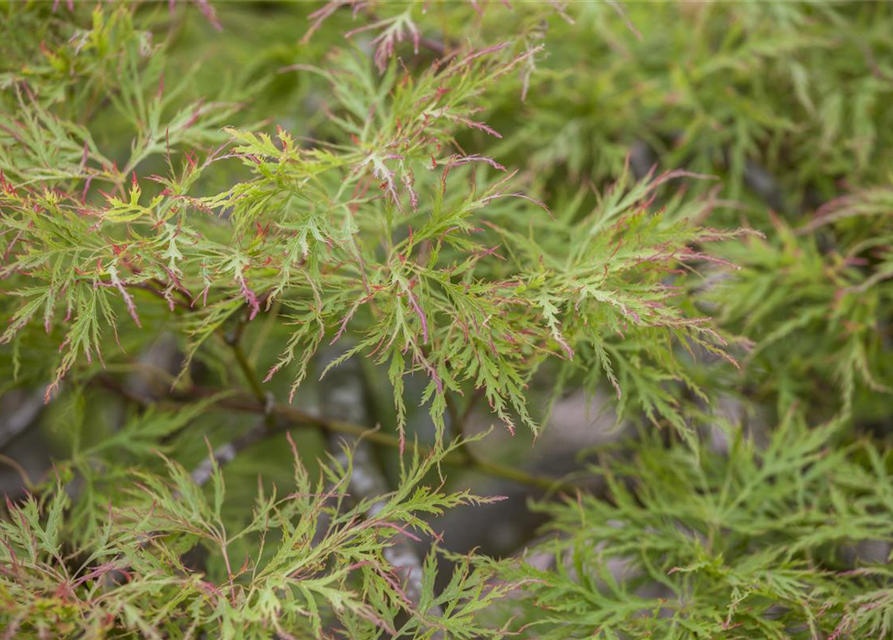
(259, 288)
(742, 543)
(323, 560)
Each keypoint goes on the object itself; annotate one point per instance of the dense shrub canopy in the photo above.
(269, 271)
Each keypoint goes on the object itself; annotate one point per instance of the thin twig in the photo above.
(292, 417)
(19, 469)
(250, 375)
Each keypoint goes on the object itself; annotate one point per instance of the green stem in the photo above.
(248, 372)
(251, 377)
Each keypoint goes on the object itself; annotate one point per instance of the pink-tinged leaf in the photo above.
(128, 299)
(560, 10)
(420, 314)
(482, 52)
(380, 171)
(480, 126)
(344, 322)
(419, 358)
(564, 345)
(320, 15)
(250, 297)
(629, 24)
(50, 391)
(408, 182)
(86, 189)
(406, 532)
(523, 196)
(85, 156)
(460, 160)
(209, 13)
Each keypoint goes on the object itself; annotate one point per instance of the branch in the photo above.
(248, 372)
(295, 415)
(292, 417)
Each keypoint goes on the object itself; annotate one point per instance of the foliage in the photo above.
(307, 558)
(680, 207)
(753, 542)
